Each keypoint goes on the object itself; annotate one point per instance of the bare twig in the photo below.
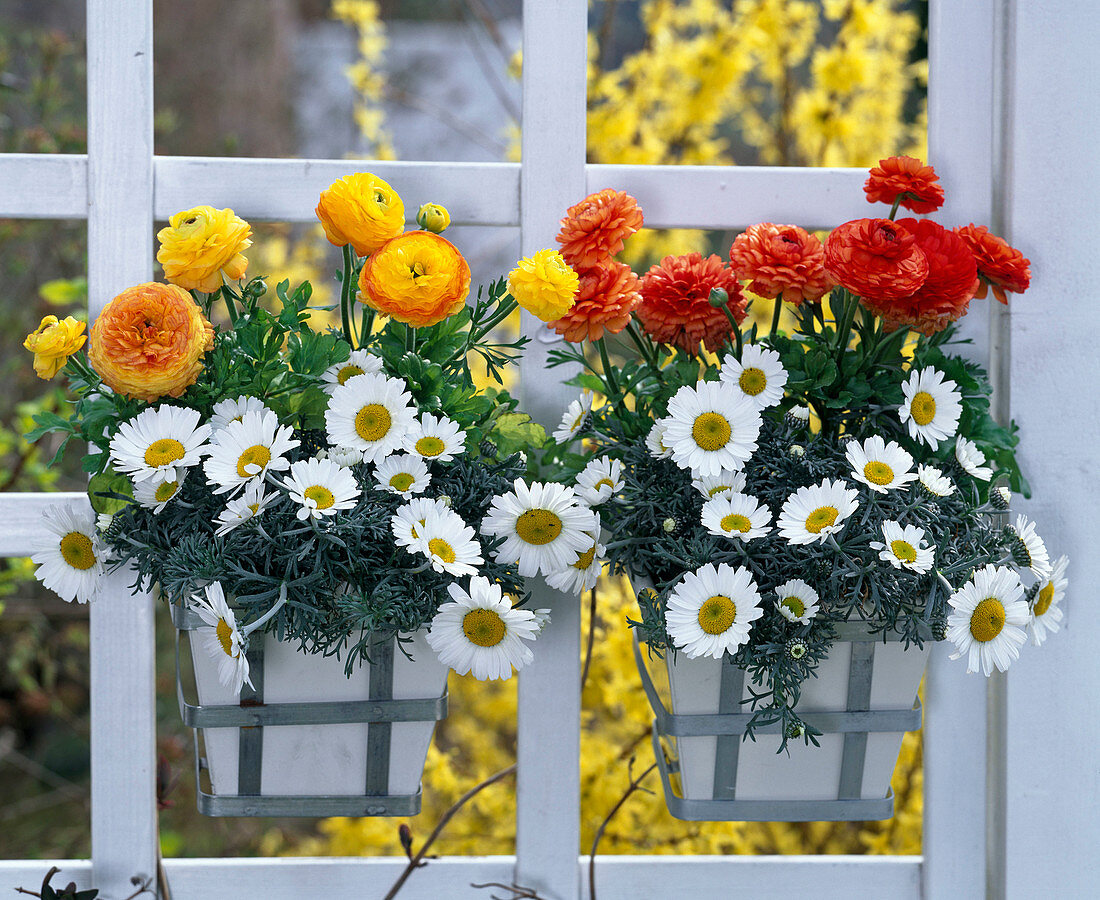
(445, 116)
(591, 635)
(415, 860)
(518, 891)
(635, 784)
(492, 77)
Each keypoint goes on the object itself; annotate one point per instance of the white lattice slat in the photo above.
(22, 518)
(43, 186)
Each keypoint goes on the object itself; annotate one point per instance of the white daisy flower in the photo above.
(972, 459)
(601, 479)
(759, 375)
(371, 413)
(932, 407)
(481, 633)
(736, 516)
(252, 501)
(435, 438)
(360, 362)
(408, 520)
(542, 619)
(655, 440)
(403, 473)
(544, 526)
(934, 481)
(814, 512)
(1046, 613)
(796, 601)
(988, 619)
(321, 487)
(224, 640)
(449, 543)
(70, 556)
(575, 418)
(1028, 549)
(154, 493)
(345, 457)
(582, 575)
(247, 450)
(904, 547)
(725, 482)
(798, 416)
(711, 610)
(233, 410)
(159, 440)
(880, 466)
(710, 428)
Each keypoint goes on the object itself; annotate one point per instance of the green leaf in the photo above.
(108, 491)
(513, 432)
(47, 422)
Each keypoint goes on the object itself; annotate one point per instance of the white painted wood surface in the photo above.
(22, 518)
(43, 185)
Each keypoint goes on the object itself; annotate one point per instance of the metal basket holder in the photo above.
(252, 716)
(728, 726)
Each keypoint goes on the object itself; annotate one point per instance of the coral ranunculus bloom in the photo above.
(594, 230)
(676, 309)
(418, 278)
(149, 342)
(361, 210)
(782, 261)
(1000, 265)
(876, 259)
(201, 245)
(605, 299)
(918, 184)
(946, 292)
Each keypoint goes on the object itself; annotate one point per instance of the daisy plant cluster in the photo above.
(333, 487)
(761, 487)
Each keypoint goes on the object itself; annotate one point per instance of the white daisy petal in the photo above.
(371, 413)
(70, 557)
(403, 473)
(881, 466)
(725, 482)
(759, 376)
(223, 640)
(233, 410)
(797, 601)
(904, 547)
(934, 481)
(360, 362)
(655, 440)
(252, 501)
(814, 512)
(409, 519)
(574, 419)
(972, 459)
(711, 429)
(1045, 608)
(601, 479)
(154, 493)
(435, 438)
(987, 620)
(582, 574)
(712, 609)
(736, 516)
(449, 543)
(932, 406)
(247, 450)
(1028, 548)
(321, 487)
(159, 440)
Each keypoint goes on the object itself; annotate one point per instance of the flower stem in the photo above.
(609, 373)
(776, 313)
(738, 347)
(347, 295)
(894, 208)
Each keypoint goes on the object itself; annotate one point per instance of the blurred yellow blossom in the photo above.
(53, 342)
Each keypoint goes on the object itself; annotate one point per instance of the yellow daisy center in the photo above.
(736, 522)
(439, 547)
(256, 455)
(164, 451)
(483, 627)
(320, 495)
(795, 605)
(987, 619)
(585, 559)
(877, 472)
(607, 481)
(254, 508)
(753, 381)
(923, 408)
(711, 431)
(716, 614)
(348, 371)
(1043, 599)
(430, 445)
(372, 422)
(402, 481)
(904, 551)
(77, 551)
(821, 518)
(225, 638)
(538, 526)
(166, 491)
(718, 490)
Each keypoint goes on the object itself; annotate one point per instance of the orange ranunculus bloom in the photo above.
(149, 342)
(418, 277)
(675, 307)
(1000, 265)
(946, 292)
(201, 244)
(594, 230)
(782, 261)
(918, 184)
(53, 342)
(361, 210)
(605, 299)
(876, 259)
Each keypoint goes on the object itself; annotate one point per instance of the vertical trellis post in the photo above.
(120, 252)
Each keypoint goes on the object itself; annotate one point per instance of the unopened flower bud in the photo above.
(1000, 497)
(797, 451)
(719, 297)
(433, 217)
(669, 525)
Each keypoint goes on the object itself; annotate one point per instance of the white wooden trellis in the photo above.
(1009, 113)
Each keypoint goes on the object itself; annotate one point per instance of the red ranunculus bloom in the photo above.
(946, 292)
(1001, 266)
(782, 261)
(917, 183)
(605, 299)
(594, 230)
(876, 259)
(675, 307)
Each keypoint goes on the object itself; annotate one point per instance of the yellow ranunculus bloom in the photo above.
(544, 284)
(361, 210)
(53, 342)
(201, 244)
(434, 218)
(418, 277)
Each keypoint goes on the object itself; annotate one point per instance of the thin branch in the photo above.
(519, 892)
(635, 784)
(492, 77)
(591, 635)
(445, 116)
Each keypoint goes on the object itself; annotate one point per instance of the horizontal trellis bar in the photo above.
(617, 877)
(43, 186)
(22, 518)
